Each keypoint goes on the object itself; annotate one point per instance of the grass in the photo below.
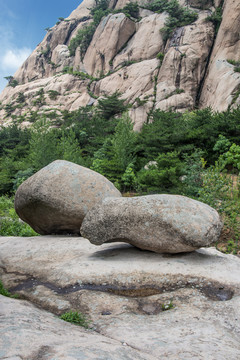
(5, 292)
(167, 306)
(76, 318)
(235, 63)
(10, 225)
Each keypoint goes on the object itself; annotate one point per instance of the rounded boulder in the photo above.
(160, 223)
(56, 199)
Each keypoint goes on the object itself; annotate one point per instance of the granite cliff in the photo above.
(152, 61)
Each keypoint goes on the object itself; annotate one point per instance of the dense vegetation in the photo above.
(190, 154)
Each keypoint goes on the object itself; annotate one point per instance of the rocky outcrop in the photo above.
(160, 223)
(132, 81)
(147, 32)
(56, 198)
(184, 65)
(191, 67)
(115, 31)
(122, 290)
(221, 88)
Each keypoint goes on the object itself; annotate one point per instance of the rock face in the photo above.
(115, 31)
(121, 289)
(160, 223)
(56, 198)
(122, 55)
(221, 88)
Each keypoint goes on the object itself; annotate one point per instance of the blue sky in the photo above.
(22, 27)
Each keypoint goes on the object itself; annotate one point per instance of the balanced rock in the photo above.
(56, 198)
(160, 223)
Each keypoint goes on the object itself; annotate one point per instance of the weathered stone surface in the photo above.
(115, 31)
(69, 92)
(121, 289)
(56, 198)
(160, 223)
(184, 65)
(222, 83)
(132, 81)
(83, 9)
(147, 32)
(30, 333)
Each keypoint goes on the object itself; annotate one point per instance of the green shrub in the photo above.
(233, 62)
(40, 100)
(21, 176)
(82, 40)
(53, 94)
(175, 92)
(10, 225)
(231, 159)
(192, 180)
(160, 56)
(111, 105)
(13, 227)
(76, 318)
(162, 177)
(219, 191)
(9, 108)
(21, 98)
(222, 144)
(131, 10)
(5, 292)
(169, 305)
(178, 15)
(46, 52)
(236, 95)
(11, 81)
(129, 178)
(216, 18)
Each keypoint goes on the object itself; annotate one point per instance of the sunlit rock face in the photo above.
(222, 82)
(131, 56)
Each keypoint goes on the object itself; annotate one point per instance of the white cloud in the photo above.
(12, 59)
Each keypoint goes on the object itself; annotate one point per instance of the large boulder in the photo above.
(160, 223)
(56, 198)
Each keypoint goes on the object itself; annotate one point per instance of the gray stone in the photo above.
(56, 198)
(30, 333)
(160, 223)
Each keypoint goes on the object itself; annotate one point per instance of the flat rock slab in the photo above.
(123, 290)
(30, 333)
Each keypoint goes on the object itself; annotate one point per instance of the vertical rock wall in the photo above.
(222, 82)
